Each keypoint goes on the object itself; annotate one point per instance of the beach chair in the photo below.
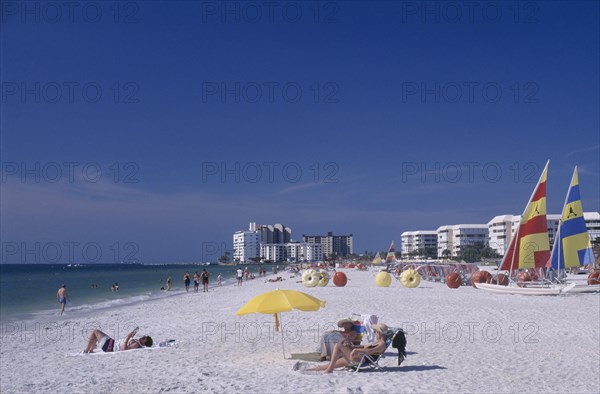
(371, 361)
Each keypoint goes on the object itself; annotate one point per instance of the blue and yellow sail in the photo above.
(572, 246)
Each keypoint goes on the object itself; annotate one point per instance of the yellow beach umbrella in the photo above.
(277, 301)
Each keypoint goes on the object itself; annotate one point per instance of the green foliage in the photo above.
(224, 258)
(476, 252)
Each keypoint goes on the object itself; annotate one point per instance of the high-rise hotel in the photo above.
(273, 243)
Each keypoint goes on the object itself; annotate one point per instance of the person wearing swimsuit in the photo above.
(61, 297)
(205, 275)
(196, 281)
(107, 344)
(186, 281)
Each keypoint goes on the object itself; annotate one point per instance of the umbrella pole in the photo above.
(282, 341)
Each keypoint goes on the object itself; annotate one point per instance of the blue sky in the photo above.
(365, 118)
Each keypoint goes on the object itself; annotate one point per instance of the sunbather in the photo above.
(343, 355)
(346, 337)
(107, 344)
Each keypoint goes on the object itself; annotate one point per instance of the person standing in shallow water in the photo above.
(168, 284)
(205, 276)
(61, 297)
(196, 281)
(186, 281)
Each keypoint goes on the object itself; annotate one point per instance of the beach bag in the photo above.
(399, 342)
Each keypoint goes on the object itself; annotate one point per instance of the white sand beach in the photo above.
(462, 340)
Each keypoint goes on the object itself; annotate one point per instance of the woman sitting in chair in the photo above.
(346, 337)
(343, 355)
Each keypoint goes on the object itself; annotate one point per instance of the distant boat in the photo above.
(391, 254)
(377, 260)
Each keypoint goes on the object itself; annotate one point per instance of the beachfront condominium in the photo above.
(331, 245)
(419, 243)
(592, 222)
(291, 251)
(502, 228)
(247, 244)
(272, 234)
(452, 239)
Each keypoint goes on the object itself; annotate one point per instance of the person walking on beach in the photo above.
(240, 276)
(196, 281)
(168, 283)
(219, 279)
(186, 281)
(205, 275)
(246, 273)
(61, 297)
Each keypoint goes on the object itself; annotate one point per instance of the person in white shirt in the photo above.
(107, 344)
(240, 276)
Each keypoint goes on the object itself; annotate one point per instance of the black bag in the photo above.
(399, 342)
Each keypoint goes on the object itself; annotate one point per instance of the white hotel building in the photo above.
(246, 245)
(455, 237)
(292, 251)
(413, 241)
(502, 229)
(497, 234)
(273, 243)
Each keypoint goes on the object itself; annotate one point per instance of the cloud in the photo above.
(300, 187)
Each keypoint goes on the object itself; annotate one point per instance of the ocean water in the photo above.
(29, 290)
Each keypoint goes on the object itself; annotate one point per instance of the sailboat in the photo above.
(377, 260)
(391, 254)
(530, 246)
(572, 246)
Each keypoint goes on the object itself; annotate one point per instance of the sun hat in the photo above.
(344, 321)
(382, 328)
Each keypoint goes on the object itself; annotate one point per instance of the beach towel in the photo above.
(369, 321)
(162, 345)
(399, 342)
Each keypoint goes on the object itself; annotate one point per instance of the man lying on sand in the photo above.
(107, 344)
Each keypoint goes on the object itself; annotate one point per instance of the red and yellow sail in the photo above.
(391, 254)
(530, 246)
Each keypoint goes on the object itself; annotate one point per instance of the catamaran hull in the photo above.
(584, 289)
(518, 290)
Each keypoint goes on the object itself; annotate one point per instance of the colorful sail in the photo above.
(530, 247)
(391, 254)
(572, 246)
(376, 260)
